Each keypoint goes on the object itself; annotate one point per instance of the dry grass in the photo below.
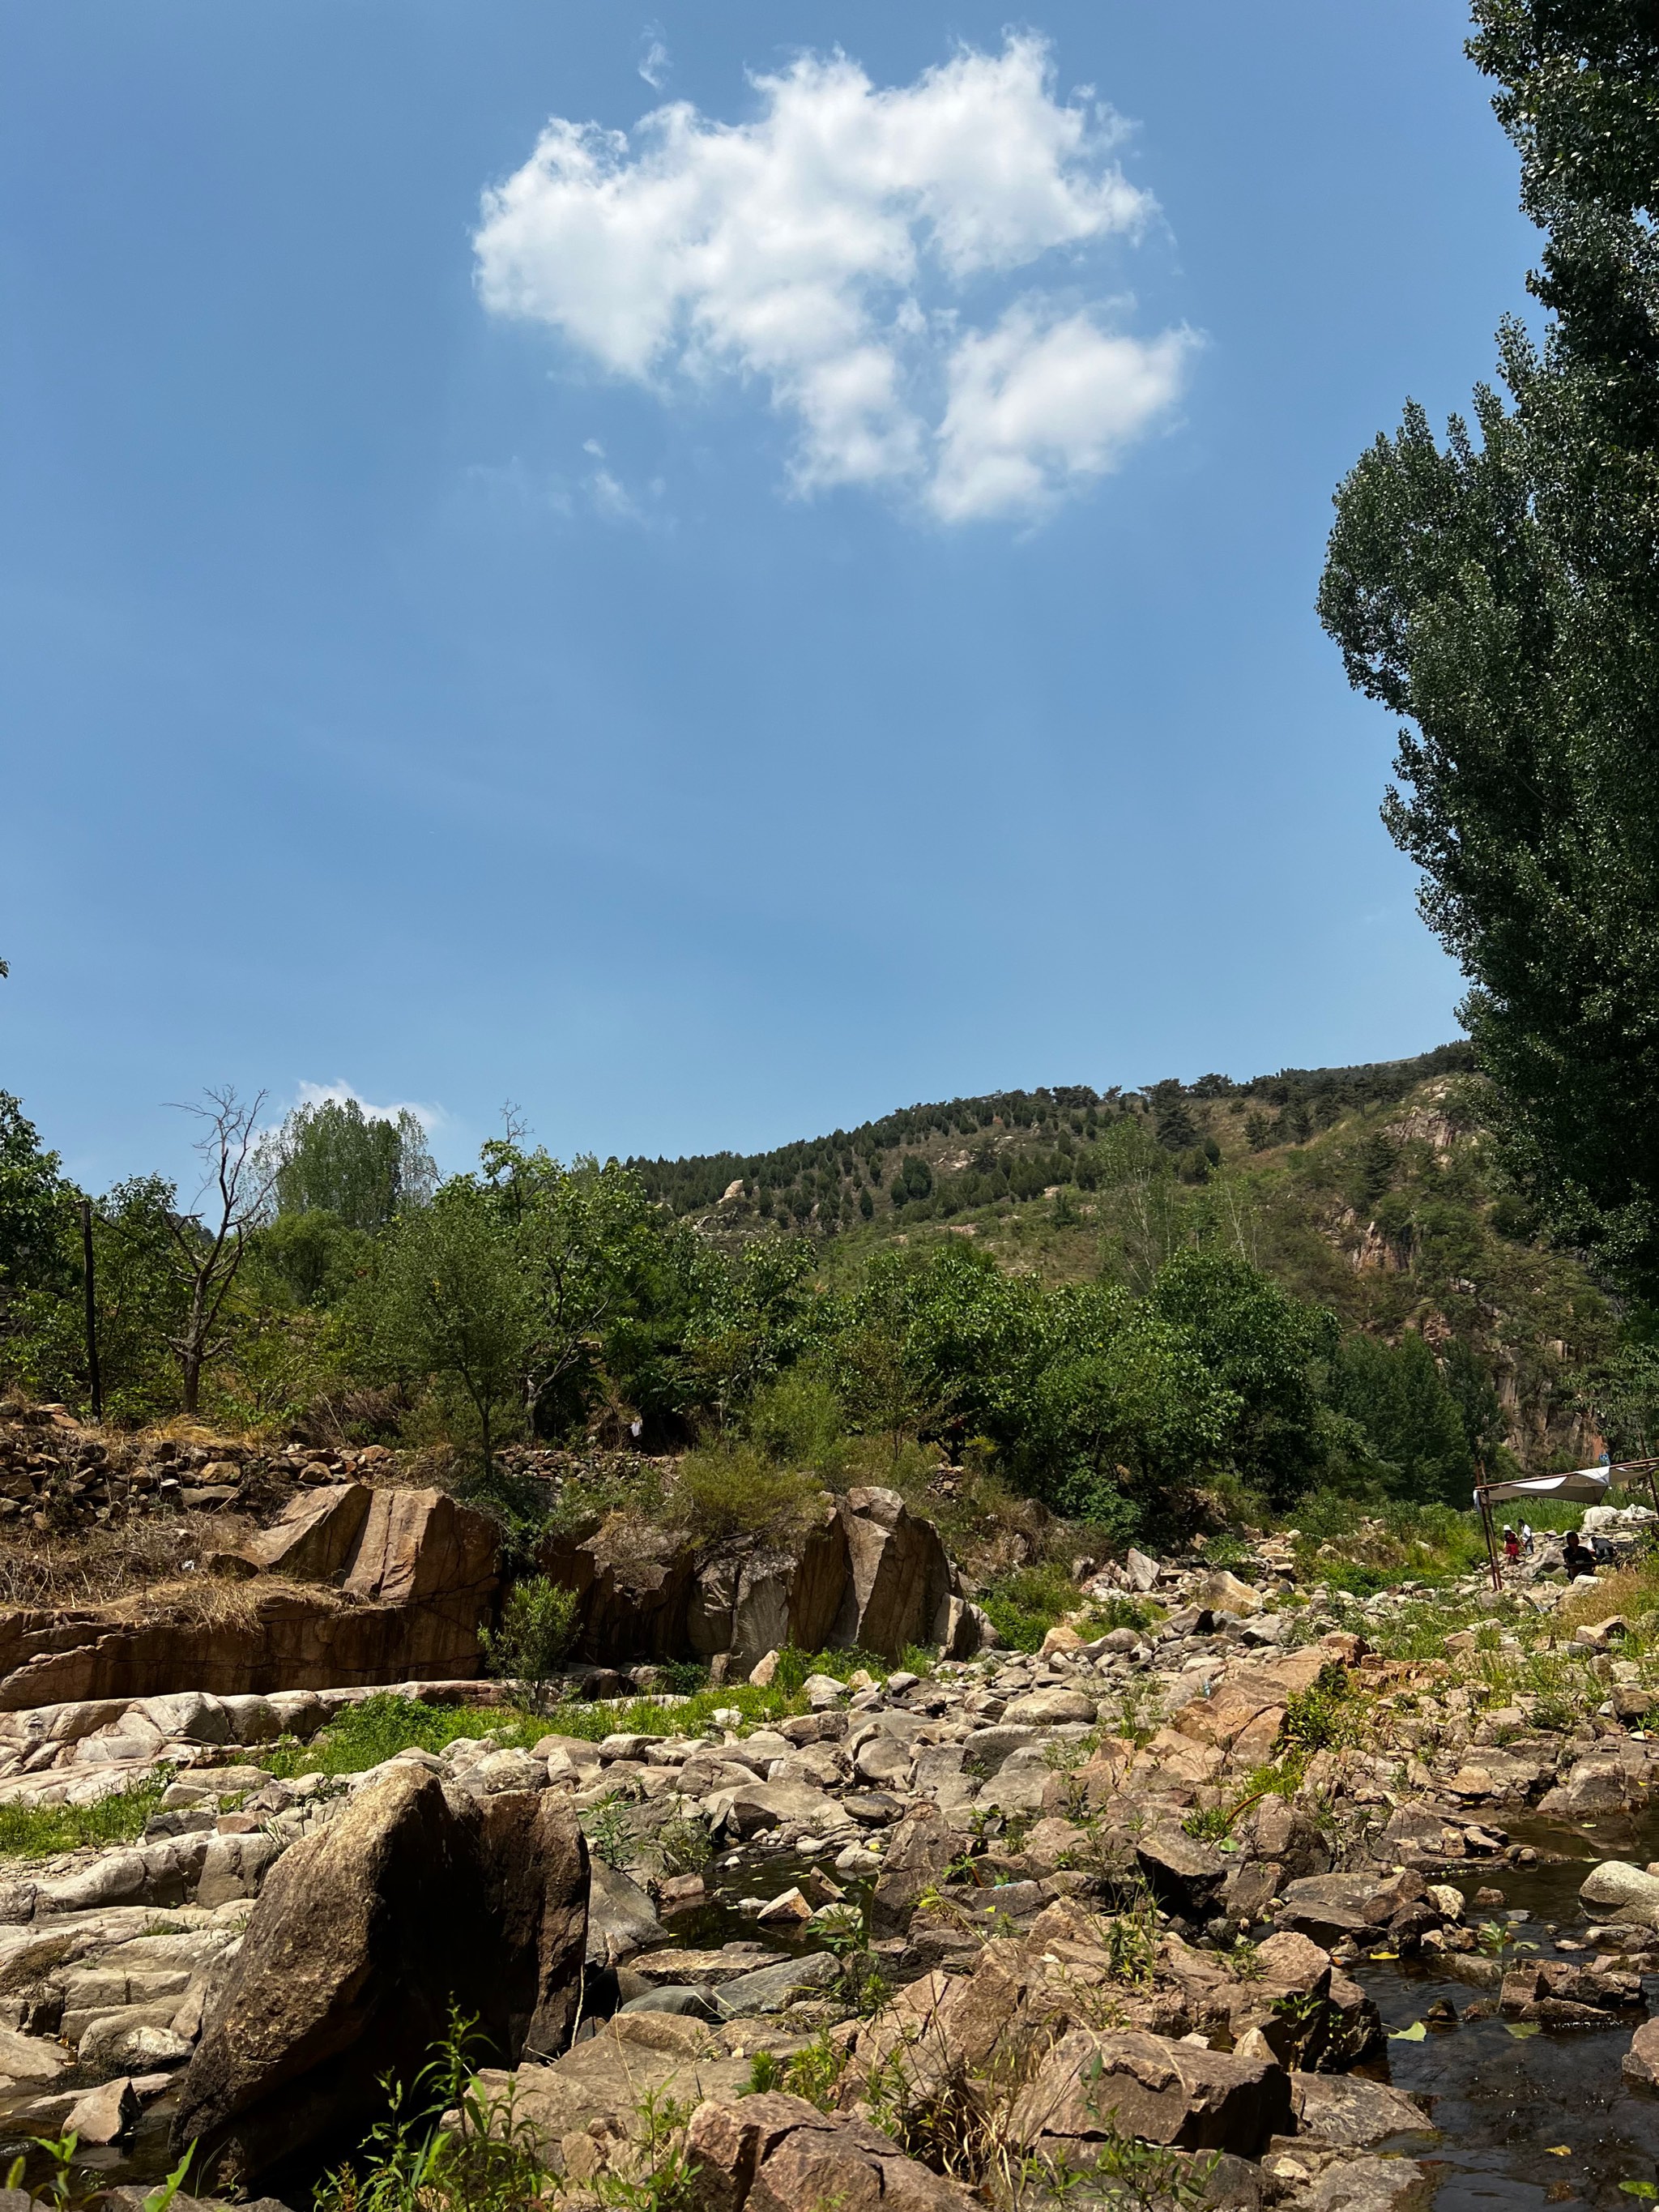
(1631, 1591)
(99, 1566)
(214, 1602)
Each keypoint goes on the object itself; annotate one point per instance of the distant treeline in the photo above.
(836, 1179)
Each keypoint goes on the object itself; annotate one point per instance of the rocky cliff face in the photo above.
(404, 1579)
(867, 1575)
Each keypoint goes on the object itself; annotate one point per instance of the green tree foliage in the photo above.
(140, 1309)
(584, 1239)
(1623, 1394)
(361, 1169)
(1108, 1406)
(35, 1200)
(1500, 593)
(309, 1259)
(1261, 1345)
(1021, 1144)
(1400, 1401)
(448, 1300)
(536, 1634)
(1378, 1157)
(914, 1179)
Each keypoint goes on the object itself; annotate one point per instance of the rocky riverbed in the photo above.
(1264, 1894)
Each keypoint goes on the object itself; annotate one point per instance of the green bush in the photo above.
(799, 1421)
(379, 1727)
(794, 1667)
(731, 1490)
(1322, 1718)
(1024, 1605)
(539, 1626)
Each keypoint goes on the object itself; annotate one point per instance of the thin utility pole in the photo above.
(93, 1375)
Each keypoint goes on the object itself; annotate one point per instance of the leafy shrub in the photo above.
(686, 1845)
(729, 1490)
(413, 2162)
(539, 1626)
(794, 1666)
(1024, 1605)
(799, 1421)
(609, 1835)
(1322, 1718)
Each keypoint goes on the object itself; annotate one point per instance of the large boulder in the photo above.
(1326, 1907)
(1347, 2110)
(919, 1850)
(413, 1901)
(780, 2154)
(421, 1569)
(635, 1587)
(1184, 1872)
(861, 1572)
(899, 1576)
(1177, 2093)
(420, 1544)
(316, 1536)
(596, 2101)
(1621, 1892)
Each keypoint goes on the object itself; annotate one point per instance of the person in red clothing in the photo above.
(1511, 1545)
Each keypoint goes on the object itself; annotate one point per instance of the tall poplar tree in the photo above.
(1499, 592)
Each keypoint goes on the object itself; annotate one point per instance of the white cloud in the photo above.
(825, 250)
(654, 62)
(611, 499)
(318, 1094)
(1038, 404)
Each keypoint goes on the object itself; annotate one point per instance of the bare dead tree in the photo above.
(209, 1243)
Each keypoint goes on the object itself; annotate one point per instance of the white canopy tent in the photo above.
(1585, 1486)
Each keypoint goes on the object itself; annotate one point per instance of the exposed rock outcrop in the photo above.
(414, 1898)
(782, 2153)
(866, 1573)
(418, 1571)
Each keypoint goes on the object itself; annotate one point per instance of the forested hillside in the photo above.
(1375, 1191)
(1145, 1309)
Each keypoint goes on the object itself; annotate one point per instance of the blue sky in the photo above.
(807, 609)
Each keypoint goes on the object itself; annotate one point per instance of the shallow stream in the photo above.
(1526, 2116)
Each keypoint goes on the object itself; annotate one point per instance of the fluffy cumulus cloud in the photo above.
(322, 1094)
(836, 250)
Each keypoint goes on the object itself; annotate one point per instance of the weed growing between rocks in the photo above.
(376, 1729)
(813, 2073)
(37, 1831)
(609, 1834)
(1322, 1718)
(794, 1667)
(443, 2147)
(1023, 1606)
(977, 2130)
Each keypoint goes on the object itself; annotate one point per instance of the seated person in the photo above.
(1576, 1557)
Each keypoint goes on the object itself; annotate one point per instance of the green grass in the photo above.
(379, 1727)
(1024, 1605)
(37, 1831)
